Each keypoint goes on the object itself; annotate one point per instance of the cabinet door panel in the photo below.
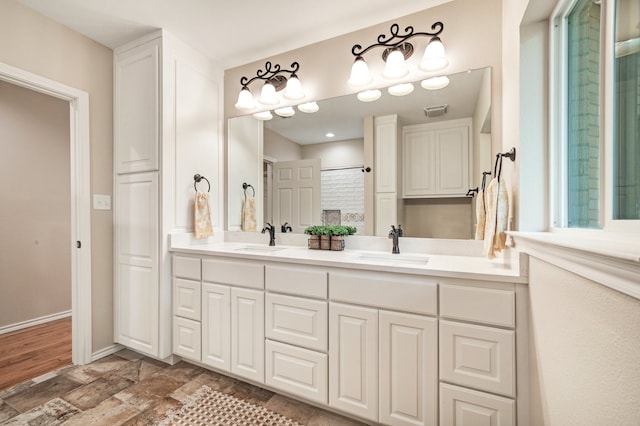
(478, 356)
(418, 150)
(386, 153)
(216, 326)
(186, 338)
(353, 360)
(247, 333)
(466, 407)
(186, 298)
(408, 369)
(298, 321)
(453, 155)
(136, 126)
(136, 287)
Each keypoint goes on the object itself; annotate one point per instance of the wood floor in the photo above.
(31, 352)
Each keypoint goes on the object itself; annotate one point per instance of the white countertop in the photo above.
(508, 269)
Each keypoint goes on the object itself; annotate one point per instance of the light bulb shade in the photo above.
(360, 75)
(369, 95)
(309, 107)
(263, 116)
(245, 100)
(434, 58)
(395, 67)
(293, 90)
(401, 89)
(268, 95)
(285, 112)
(435, 83)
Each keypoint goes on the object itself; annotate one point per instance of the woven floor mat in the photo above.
(207, 407)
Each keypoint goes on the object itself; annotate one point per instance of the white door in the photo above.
(296, 193)
(408, 369)
(353, 360)
(247, 333)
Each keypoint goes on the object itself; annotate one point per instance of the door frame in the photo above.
(80, 172)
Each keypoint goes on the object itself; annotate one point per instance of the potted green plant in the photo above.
(314, 236)
(338, 232)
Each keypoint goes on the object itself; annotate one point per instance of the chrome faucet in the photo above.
(395, 233)
(284, 228)
(272, 233)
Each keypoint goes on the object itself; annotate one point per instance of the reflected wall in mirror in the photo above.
(343, 186)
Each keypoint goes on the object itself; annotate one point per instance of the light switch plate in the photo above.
(101, 202)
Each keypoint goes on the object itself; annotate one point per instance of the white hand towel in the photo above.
(202, 216)
(497, 212)
(249, 214)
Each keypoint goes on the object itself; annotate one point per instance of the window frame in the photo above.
(558, 84)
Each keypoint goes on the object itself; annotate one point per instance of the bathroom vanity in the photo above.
(407, 339)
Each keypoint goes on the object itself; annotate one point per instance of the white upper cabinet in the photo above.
(436, 159)
(136, 118)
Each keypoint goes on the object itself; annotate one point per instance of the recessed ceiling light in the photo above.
(330, 135)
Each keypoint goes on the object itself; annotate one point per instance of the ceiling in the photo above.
(232, 33)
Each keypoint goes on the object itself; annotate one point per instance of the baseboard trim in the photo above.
(109, 350)
(36, 321)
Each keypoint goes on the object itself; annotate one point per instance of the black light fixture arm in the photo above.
(389, 43)
(270, 72)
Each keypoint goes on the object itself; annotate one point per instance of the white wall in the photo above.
(39, 45)
(35, 188)
(584, 351)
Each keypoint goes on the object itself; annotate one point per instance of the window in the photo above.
(597, 140)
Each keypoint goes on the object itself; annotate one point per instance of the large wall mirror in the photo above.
(331, 146)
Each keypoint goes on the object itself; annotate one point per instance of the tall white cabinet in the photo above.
(386, 147)
(167, 115)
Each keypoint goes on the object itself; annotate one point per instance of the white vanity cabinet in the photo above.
(186, 307)
(477, 355)
(436, 159)
(384, 355)
(161, 88)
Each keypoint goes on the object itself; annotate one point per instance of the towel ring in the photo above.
(245, 186)
(197, 179)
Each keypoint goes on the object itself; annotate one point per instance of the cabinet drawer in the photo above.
(233, 272)
(299, 371)
(485, 305)
(298, 281)
(186, 338)
(186, 298)
(477, 356)
(390, 291)
(186, 267)
(298, 321)
(466, 407)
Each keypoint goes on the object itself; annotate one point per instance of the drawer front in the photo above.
(477, 356)
(484, 305)
(299, 371)
(233, 272)
(389, 291)
(301, 322)
(186, 267)
(298, 281)
(186, 298)
(466, 407)
(186, 338)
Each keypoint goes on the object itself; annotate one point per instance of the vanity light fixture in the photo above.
(396, 51)
(369, 95)
(285, 112)
(263, 116)
(309, 107)
(401, 89)
(435, 83)
(274, 81)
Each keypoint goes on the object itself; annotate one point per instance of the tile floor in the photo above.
(129, 389)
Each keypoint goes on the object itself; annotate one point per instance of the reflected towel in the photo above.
(202, 216)
(249, 214)
(481, 216)
(497, 212)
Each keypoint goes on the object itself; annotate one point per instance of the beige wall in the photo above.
(347, 153)
(36, 44)
(280, 148)
(439, 218)
(35, 259)
(584, 351)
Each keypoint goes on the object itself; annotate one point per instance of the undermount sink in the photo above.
(259, 249)
(407, 259)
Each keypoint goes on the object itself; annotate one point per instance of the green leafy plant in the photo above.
(342, 230)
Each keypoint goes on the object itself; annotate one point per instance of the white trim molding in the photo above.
(611, 262)
(35, 321)
(80, 200)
